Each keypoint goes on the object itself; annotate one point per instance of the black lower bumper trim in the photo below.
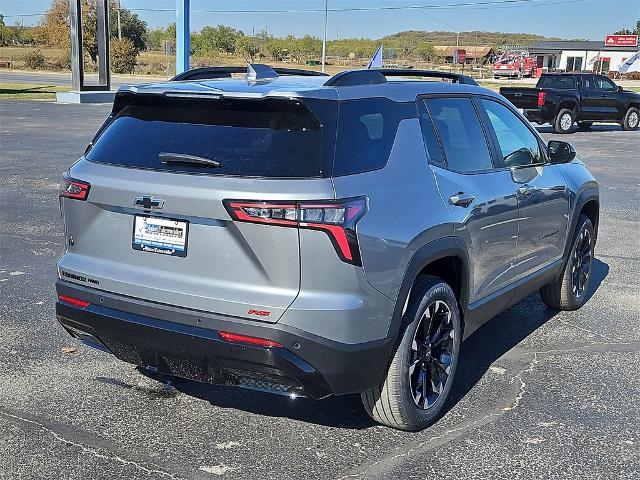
(306, 365)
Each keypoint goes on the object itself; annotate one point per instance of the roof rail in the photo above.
(208, 73)
(378, 75)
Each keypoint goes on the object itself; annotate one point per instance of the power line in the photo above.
(485, 4)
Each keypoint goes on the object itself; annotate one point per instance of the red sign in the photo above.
(621, 41)
(461, 55)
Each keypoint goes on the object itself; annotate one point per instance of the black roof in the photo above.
(591, 45)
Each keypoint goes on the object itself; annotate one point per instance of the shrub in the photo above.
(61, 62)
(124, 56)
(34, 60)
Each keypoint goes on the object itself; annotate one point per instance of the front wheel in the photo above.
(631, 119)
(564, 121)
(424, 363)
(569, 292)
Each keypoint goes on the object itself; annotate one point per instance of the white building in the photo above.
(579, 56)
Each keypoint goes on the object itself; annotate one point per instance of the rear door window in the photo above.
(264, 138)
(461, 135)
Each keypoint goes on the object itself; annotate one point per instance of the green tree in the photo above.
(276, 49)
(248, 47)
(426, 52)
(124, 55)
(132, 27)
(220, 39)
(53, 29)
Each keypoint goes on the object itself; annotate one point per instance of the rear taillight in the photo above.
(337, 218)
(259, 342)
(541, 96)
(76, 302)
(72, 188)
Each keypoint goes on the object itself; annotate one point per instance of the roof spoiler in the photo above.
(253, 72)
(379, 75)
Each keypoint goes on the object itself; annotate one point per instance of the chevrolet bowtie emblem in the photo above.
(148, 202)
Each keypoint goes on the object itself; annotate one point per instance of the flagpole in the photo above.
(324, 40)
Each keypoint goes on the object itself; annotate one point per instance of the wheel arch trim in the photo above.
(588, 195)
(423, 257)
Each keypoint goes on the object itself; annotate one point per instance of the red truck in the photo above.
(514, 65)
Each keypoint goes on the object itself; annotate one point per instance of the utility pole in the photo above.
(324, 40)
(119, 25)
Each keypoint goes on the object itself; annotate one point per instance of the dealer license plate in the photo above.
(160, 235)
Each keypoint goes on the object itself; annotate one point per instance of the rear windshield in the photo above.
(263, 138)
(562, 82)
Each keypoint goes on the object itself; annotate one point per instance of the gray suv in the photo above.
(311, 235)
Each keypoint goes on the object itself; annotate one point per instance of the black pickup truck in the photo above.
(564, 98)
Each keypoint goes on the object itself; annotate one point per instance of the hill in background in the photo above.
(466, 38)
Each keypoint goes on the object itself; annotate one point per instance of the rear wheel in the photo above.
(564, 121)
(423, 366)
(569, 292)
(584, 126)
(631, 119)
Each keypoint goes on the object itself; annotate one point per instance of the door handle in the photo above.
(462, 199)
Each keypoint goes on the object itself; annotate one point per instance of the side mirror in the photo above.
(619, 88)
(561, 152)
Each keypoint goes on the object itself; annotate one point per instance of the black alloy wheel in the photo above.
(581, 263)
(431, 354)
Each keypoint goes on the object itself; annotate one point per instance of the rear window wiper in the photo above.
(167, 158)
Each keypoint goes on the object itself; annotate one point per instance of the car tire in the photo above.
(584, 126)
(564, 121)
(404, 400)
(631, 119)
(570, 290)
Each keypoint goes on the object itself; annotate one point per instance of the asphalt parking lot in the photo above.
(539, 394)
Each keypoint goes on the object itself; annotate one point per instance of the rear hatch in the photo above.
(154, 225)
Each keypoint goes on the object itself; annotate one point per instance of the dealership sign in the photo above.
(621, 41)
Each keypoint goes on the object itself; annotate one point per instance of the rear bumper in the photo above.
(538, 115)
(506, 73)
(186, 343)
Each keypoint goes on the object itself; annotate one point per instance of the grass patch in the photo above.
(28, 91)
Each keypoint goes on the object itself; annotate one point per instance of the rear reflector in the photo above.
(73, 301)
(259, 342)
(72, 188)
(337, 218)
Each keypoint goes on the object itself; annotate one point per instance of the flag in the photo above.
(631, 64)
(376, 60)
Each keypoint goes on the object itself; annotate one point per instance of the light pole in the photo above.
(324, 40)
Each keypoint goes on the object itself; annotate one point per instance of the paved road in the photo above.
(62, 79)
(540, 394)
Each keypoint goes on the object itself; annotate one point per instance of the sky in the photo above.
(585, 19)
